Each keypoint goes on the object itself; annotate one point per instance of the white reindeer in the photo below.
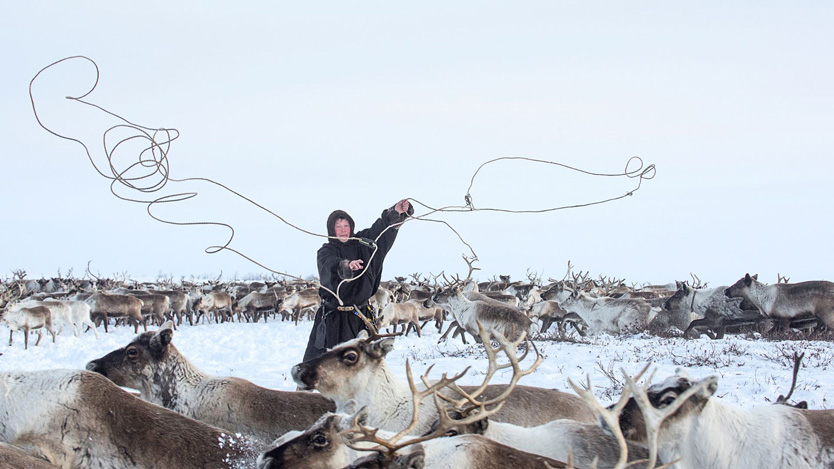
(338, 441)
(20, 317)
(610, 315)
(76, 314)
(357, 370)
(703, 432)
(584, 442)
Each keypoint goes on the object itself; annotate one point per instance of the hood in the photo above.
(331, 223)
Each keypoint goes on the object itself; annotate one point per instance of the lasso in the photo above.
(150, 173)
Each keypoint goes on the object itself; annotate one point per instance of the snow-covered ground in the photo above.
(751, 371)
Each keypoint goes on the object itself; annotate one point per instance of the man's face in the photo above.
(342, 228)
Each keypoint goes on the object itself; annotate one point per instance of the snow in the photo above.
(751, 371)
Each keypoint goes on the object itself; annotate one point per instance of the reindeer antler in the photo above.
(388, 446)
(392, 444)
(470, 399)
(610, 416)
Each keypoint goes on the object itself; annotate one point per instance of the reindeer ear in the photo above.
(480, 427)
(363, 334)
(380, 348)
(680, 371)
(349, 407)
(709, 390)
(160, 340)
(361, 415)
(412, 460)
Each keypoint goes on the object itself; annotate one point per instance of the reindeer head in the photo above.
(742, 285)
(410, 457)
(321, 445)
(346, 368)
(558, 292)
(678, 299)
(135, 365)
(675, 399)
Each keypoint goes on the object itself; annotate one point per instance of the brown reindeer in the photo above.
(163, 376)
(76, 419)
(105, 305)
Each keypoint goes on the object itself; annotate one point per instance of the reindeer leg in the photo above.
(460, 330)
(451, 325)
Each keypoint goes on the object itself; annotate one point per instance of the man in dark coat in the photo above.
(345, 257)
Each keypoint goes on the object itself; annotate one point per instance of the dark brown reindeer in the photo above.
(153, 365)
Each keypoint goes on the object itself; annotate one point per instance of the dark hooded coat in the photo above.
(331, 326)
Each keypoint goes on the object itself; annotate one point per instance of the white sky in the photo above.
(310, 107)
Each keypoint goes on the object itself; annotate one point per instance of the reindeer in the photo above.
(155, 305)
(431, 312)
(337, 439)
(26, 317)
(690, 424)
(300, 300)
(106, 305)
(610, 315)
(382, 298)
(549, 312)
(562, 440)
(255, 304)
(407, 314)
(693, 309)
(357, 370)
(75, 419)
(468, 313)
(163, 376)
(786, 302)
(217, 302)
(179, 305)
(76, 314)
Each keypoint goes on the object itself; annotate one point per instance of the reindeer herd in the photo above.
(353, 411)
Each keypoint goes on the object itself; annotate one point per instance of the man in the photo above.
(345, 257)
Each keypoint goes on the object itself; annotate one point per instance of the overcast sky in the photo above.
(306, 107)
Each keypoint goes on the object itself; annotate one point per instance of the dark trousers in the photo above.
(332, 327)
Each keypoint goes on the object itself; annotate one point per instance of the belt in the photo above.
(356, 311)
(338, 307)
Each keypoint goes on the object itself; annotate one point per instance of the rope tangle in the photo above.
(151, 173)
